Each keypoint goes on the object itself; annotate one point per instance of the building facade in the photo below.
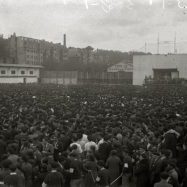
(24, 50)
(87, 55)
(159, 67)
(17, 73)
(122, 66)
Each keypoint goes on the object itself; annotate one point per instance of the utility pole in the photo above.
(145, 47)
(175, 44)
(163, 4)
(158, 43)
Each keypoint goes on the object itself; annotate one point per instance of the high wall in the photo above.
(73, 77)
(16, 80)
(144, 65)
(59, 77)
(105, 77)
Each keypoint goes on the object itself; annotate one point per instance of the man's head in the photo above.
(101, 163)
(74, 147)
(54, 165)
(6, 164)
(164, 175)
(73, 155)
(13, 167)
(168, 153)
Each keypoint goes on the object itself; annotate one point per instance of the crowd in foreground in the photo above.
(92, 136)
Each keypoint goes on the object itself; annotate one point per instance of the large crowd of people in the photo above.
(93, 136)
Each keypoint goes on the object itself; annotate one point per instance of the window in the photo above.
(22, 72)
(13, 72)
(31, 72)
(3, 72)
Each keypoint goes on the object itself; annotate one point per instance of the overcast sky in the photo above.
(120, 25)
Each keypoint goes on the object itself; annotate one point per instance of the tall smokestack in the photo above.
(64, 40)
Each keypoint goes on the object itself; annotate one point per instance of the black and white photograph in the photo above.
(93, 93)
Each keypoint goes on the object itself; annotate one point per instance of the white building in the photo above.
(19, 73)
(163, 67)
(122, 66)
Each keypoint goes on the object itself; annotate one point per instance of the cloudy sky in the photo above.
(108, 24)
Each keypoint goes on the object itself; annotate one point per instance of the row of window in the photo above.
(34, 57)
(34, 62)
(13, 72)
(33, 50)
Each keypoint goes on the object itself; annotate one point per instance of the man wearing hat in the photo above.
(54, 178)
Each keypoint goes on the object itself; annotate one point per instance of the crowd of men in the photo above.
(93, 136)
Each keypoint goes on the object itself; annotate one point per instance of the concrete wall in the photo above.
(16, 80)
(65, 81)
(11, 80)
(31, 79)
(144, 65)
(59, 77)
(105, 77)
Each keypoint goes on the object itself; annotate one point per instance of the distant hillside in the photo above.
(108, 59)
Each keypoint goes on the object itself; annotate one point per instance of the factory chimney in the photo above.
(65, 40)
